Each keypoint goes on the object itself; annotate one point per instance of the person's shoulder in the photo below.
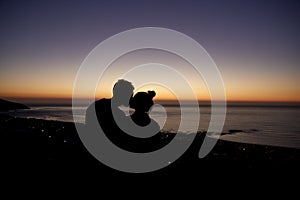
(102, 102)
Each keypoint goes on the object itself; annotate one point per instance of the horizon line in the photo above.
(199, 100)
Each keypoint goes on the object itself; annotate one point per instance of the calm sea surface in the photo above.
(276, 125)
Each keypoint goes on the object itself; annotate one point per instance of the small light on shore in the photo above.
(65, 141)
(49, 136)
(169, 162)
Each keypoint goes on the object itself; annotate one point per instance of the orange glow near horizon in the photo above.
(163, 94)
(239, 85)
(236, 91)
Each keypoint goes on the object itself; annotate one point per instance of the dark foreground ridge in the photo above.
(53, 146)
(8, 105)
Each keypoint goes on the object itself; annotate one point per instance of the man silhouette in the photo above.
(122, 92)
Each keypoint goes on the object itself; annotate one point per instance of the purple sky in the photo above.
(257, 39)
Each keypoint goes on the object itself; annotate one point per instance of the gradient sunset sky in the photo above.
(255, 44)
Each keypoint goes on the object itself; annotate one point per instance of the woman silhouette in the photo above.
(141, 103)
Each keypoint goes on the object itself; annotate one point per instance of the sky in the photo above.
(255, 44)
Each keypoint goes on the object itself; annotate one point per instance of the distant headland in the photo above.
(8, 105)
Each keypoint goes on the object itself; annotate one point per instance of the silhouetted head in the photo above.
(142, 101)
(122, 92)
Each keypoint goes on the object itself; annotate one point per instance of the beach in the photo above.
(53, 145)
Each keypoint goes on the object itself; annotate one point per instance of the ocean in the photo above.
(259, 123)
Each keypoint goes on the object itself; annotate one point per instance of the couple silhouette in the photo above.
(110, 116)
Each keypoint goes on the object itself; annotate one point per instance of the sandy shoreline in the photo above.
(35, 142)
